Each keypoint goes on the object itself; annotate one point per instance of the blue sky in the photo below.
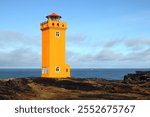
(101, 33)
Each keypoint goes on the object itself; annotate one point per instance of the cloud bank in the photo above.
(125, 52)
(20, 51)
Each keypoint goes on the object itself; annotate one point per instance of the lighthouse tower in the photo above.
(53, 48)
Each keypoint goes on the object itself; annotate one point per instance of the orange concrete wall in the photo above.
(54, 49)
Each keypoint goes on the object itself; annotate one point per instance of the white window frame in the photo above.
(57, 34)
(44, 70)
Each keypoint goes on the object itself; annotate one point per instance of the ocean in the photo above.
(109, 74)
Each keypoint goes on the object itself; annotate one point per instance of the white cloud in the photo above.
(108, 55)
(19, 50)
(21, 57)
(10, 39)
(136, 53)
(113, 42)
(141, 56)
(138, 44)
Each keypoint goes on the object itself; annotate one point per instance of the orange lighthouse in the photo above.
(53, 48)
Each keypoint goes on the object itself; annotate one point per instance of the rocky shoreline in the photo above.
(133, 87)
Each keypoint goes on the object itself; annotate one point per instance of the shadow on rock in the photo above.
(69, 84)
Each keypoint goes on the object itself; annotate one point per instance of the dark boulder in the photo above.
(139, 76)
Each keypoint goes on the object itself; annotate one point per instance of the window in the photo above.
(57, 24)
(57, 69)
(57, 34)
(53, 24)
(44, 70)
(66, 70)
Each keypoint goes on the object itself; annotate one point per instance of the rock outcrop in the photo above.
(75, 88)
(9, 88)
(139, 76)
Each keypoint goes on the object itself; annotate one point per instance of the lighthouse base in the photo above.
(59, 71)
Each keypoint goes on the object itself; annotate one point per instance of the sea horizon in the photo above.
(104, 73)
(77, 68)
